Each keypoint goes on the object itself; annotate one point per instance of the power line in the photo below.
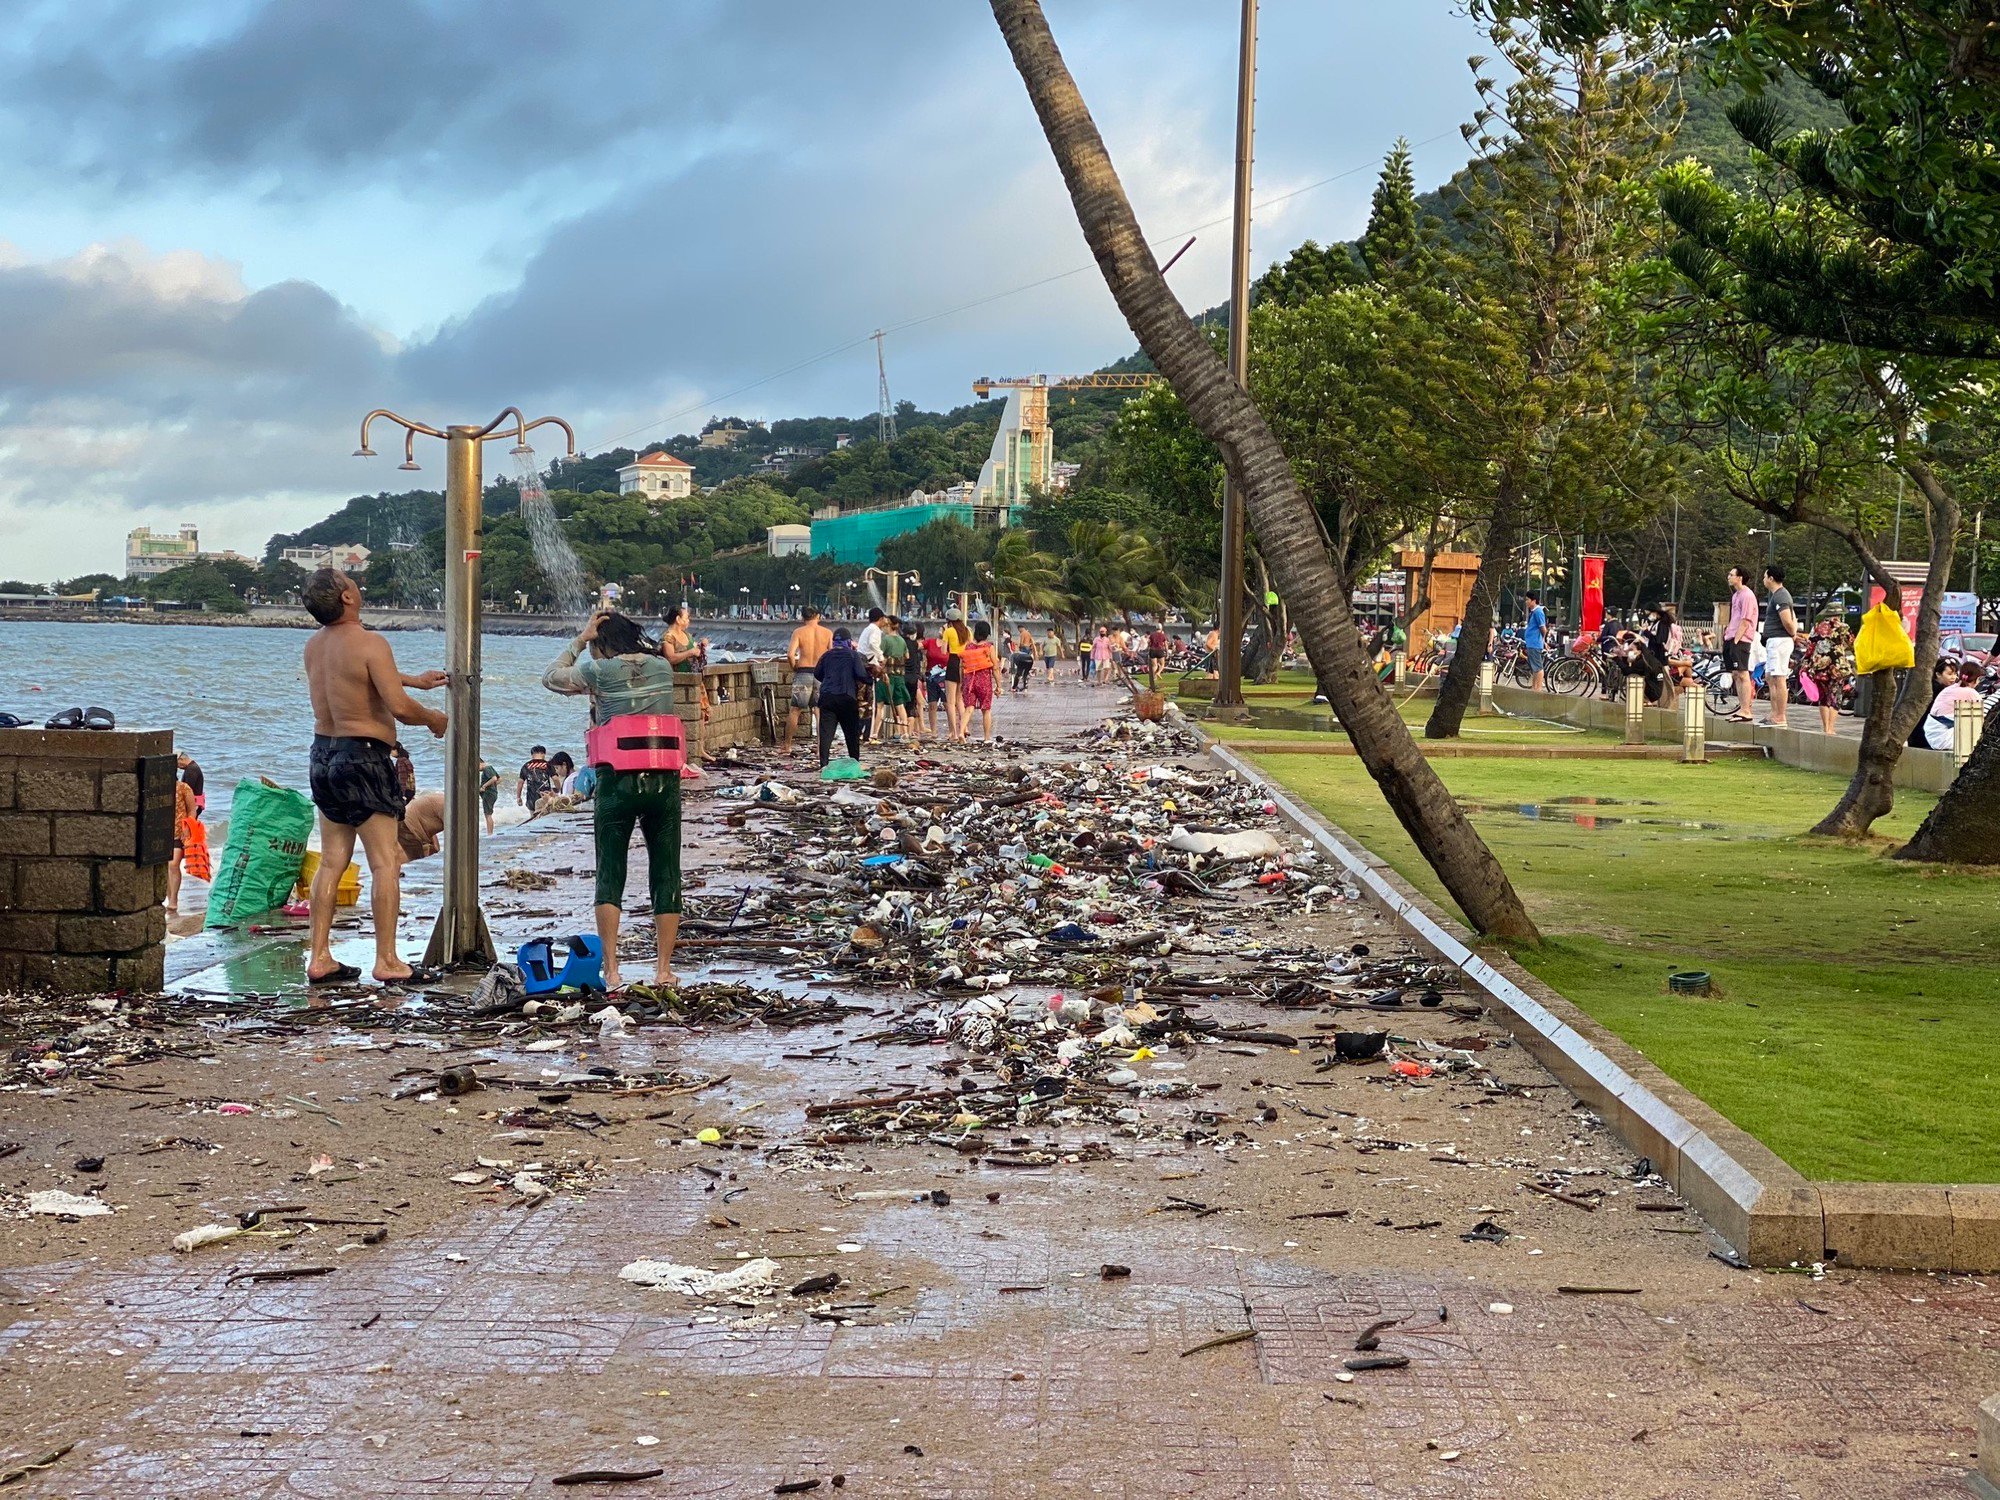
(711, 402)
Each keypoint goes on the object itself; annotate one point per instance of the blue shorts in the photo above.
(1537, 658)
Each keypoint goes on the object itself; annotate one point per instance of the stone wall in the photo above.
(86, 831)
(740, 720)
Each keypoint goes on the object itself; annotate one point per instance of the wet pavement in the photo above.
(1584, 1342)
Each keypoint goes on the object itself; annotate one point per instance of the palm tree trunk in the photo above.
(1964, 827)
(1481, 609)
(1871, 794)
(1287, 529)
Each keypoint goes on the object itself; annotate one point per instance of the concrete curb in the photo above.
(1768, 1212)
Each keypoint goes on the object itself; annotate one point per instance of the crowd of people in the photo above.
(895, 681)
(1764, 643)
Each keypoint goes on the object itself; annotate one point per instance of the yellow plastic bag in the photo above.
(1881, 644)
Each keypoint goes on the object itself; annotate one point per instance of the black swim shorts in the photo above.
(354, 778)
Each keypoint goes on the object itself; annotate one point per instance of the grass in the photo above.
(1478, 730)
(1854, 1030)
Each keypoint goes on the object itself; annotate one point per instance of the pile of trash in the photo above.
(1066, 872)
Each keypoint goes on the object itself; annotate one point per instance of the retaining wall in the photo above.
(1829, 754)
(86, 832)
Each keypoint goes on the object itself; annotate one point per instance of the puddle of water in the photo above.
(1317, 721)
(1576, 812)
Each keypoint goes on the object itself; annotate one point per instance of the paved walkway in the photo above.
(973, 1348)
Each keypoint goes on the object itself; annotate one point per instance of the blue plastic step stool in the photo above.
(585, 969)
(536, 961)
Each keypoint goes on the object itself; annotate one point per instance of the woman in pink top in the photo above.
(1100, 657)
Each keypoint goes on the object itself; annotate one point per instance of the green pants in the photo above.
(652, 801)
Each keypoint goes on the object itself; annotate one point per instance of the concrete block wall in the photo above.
(79, 912)
(740, 720)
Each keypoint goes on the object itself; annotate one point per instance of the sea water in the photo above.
(235, 696)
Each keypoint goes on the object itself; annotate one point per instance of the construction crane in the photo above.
(986, 385)
(1021, 454)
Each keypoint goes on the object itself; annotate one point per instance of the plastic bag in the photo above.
(841, 768)
(268, 828)
(1880, 644)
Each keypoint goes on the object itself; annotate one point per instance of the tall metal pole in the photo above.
(1674, 561)
(460, 935)
(1229, 689)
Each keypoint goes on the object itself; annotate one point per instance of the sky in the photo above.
(251, 221)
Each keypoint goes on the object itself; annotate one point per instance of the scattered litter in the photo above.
(754, 1278)
(206, 1234)
(66, 1205)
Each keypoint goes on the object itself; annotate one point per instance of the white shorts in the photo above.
(1777, 658)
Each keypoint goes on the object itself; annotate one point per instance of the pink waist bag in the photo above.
(637, 742)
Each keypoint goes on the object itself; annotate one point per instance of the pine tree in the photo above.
(1391, 243)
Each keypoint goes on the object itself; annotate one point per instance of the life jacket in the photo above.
(637, 742)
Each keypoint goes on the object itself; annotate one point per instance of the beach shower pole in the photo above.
(461, 935)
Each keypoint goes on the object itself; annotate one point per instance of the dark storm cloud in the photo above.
(300, 93)
(116, 320)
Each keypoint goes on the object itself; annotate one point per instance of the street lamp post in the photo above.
(1229, 687)
(461, 935)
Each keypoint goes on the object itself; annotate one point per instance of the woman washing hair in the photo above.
(626, 674)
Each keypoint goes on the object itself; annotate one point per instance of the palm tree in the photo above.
(1025, 576)
(1286, 526)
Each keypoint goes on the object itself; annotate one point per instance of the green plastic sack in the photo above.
(1881, 644)
(844, 768)
(268, 828)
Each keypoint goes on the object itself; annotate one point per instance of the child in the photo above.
(978, 665)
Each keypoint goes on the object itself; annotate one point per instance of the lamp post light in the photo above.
(1770, 534)
(460, 935)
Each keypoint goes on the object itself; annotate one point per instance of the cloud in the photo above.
(133, 380)
(675, 201)
(449, 97)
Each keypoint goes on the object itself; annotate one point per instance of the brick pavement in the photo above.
(975, 1352)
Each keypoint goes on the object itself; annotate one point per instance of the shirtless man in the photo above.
(358, 698)
(809, 643)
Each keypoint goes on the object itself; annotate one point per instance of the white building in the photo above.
(149, 553)
(349, 558)
(657, 476)
(788, 541)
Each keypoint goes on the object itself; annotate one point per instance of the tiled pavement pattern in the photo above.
(483, 1356)
(488, 1376)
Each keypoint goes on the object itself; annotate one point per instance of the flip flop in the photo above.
(338, 974)
(12, 721)
(99, 718)
(69, 718)
(418, 975)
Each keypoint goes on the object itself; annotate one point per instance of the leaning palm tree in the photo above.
(1286, 526)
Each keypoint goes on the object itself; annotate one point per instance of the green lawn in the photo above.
(1857, 1025)
(1301, 719)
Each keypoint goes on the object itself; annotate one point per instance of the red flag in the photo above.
(1593, 593)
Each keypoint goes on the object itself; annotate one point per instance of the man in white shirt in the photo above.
(869, 645)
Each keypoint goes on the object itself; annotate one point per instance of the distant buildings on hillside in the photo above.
(788, 541)
(350, 557)
(658, 476)
(149, 553)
